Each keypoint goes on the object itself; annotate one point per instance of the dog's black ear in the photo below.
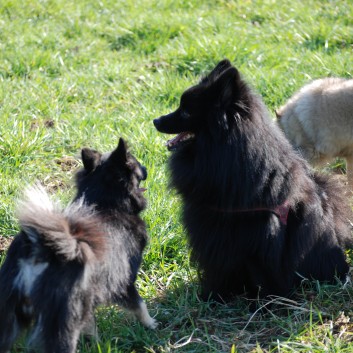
(119, 155)
(226, 86)
(90, 159)
(220, 67)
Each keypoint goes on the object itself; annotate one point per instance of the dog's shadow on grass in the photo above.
(193, 325)
(188, 324)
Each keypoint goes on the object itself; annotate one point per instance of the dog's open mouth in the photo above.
(179, 140)
(142, 190)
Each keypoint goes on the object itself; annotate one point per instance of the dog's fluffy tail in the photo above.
(73, 233)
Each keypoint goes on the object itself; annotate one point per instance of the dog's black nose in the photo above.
(156, 123)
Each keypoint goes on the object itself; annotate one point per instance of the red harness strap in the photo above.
(280, 211)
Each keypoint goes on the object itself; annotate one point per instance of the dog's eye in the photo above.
(184, 114)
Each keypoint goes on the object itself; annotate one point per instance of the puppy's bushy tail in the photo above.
(73, 233)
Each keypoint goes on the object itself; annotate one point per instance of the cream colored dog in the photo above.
(318, 121)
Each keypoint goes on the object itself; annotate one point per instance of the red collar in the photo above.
(280, 211)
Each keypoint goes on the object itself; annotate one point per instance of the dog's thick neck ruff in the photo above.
(280, 211)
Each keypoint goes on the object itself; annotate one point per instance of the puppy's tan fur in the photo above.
(318, 121)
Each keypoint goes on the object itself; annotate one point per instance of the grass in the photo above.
(82, 73)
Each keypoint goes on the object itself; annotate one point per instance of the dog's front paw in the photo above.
(144, 317)
(151, 323)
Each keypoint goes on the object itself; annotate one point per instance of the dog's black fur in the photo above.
(64, 263)
(228, 162)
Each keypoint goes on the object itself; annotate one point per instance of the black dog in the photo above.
(64, 263)
(256, 216)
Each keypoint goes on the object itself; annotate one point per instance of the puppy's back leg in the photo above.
(53, 335)
(135, 304)
(349, 166)
(9, 329)
(90, 330)
(13, 316)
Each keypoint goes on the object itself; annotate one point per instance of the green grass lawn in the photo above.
(83, 73)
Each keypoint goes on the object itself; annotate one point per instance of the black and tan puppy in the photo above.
(258, 219)
(66, 262)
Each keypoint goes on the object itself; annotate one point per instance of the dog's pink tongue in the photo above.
(142, 189)
(176, 139)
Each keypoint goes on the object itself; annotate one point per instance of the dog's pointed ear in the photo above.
(119, 155)
(90, 159)
(226, 86)
(220, 67)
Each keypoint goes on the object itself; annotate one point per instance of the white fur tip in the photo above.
(37, 195)
(34, 201)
